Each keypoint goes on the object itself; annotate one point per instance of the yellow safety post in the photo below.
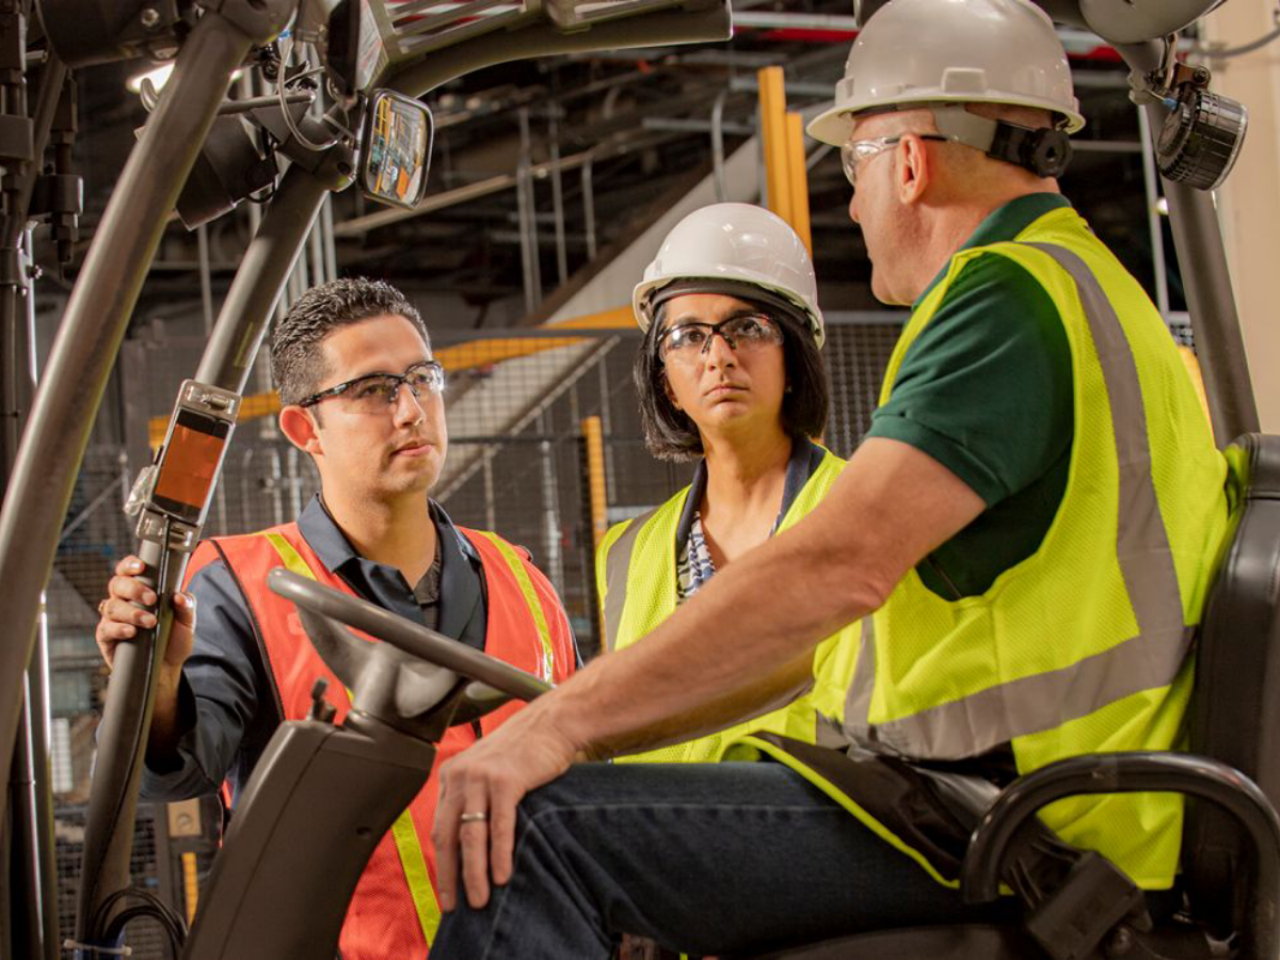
(773, 127)
(799, 180)
(598, 495)
(190, 884)
(593, 434)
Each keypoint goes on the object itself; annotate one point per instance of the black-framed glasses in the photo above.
(854, 152)
(748, 331)
(374, 392)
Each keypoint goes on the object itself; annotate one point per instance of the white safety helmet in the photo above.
(952, 51)
(732, 244)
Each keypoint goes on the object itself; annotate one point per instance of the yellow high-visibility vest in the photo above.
(636, 576)
(1084, 646)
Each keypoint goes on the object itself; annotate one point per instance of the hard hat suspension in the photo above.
(1045, 151)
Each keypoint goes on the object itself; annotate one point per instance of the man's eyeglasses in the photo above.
(374, 392)
(854, 152)
(688, 341)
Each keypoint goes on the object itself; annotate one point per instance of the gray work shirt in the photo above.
(226, 703)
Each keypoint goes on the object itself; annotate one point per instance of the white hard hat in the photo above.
(732, 244)
(952, 51)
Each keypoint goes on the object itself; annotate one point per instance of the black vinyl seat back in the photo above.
(1235, 710)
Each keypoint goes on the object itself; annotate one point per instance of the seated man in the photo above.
(362, 395)
(1027, 534)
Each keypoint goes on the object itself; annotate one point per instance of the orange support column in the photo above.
(598, 495)
(593, 434)
(773, 128)
(799, 180)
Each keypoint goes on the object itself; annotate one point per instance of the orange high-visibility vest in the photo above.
(394, 910)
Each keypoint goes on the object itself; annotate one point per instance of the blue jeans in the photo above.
(703, 858)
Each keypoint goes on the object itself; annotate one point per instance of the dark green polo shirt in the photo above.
(986, 390)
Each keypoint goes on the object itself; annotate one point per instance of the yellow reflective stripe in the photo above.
(530, 597)
(414, 864)
(405, 832)
(290, 557)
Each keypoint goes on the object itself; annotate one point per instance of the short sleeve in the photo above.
(986, 388)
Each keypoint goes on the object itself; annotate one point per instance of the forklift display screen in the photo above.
(189, 464)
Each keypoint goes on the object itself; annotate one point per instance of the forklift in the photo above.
(357, 120)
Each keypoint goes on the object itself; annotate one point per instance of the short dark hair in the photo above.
(297, 365)
(670, 434)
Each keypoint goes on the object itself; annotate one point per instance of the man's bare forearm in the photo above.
(889, 509)
(712, 662)
(754, 700)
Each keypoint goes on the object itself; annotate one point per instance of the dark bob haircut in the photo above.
(671, 435)
(297, 364)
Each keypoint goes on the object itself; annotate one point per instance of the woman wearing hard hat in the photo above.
(729, 373)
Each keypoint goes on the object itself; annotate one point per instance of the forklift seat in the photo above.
(1231, 843)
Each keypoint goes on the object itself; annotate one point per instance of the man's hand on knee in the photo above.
(475, 818)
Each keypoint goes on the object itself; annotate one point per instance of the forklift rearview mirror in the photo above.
(397, 149)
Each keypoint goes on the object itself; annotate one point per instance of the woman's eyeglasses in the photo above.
(688, 341)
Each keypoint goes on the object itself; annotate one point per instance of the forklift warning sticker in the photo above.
(372, 59)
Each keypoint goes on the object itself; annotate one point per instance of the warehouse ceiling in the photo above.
(633, 131)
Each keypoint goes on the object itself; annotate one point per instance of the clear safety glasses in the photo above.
(854, 152)
(688, 341)
(374, 392)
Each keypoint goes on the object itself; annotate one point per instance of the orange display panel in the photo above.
(190, 464)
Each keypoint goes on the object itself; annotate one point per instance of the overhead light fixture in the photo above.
(159, 76)
(1201, 138)
(1202, 132)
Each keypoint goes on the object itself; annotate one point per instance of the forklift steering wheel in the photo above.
(493, 682)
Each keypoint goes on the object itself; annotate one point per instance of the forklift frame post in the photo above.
(545, 39)
(33, 812)
(1206, 276)
(260, 279)
(226, 362)
(93, 327)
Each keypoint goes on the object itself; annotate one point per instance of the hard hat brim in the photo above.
(648, 292)
(835, 124)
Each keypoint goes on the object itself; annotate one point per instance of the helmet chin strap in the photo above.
(1044, 151)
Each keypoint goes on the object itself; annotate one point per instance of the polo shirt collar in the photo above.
(333, 548)
(462, 601)
(1004, 224)
(324, 537)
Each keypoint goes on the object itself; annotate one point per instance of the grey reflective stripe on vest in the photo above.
(857, 701)
(617, 566)
(984, 720)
